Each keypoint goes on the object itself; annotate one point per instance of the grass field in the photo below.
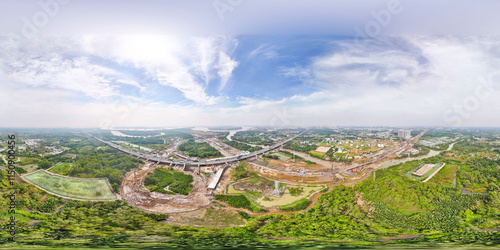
(78, 188)
(445, 176)
(282, 157)
(341, 154)
(61, 168)
(316, 154)
(265, 164)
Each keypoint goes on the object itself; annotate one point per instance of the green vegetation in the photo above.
(60, 168)
(295, 146)
(238, 201)
(470, 147)
(159, 142)
(295, 191)
(20, 170)
(371, 213)
(426, 175)
(446, 176)
(215, 217)
(27, 161)
(398, 191)
(297, 158)
(71, 187)
(199, 149)
(45, 164)
(271, 156)
(158, 217)
(317, 154)
(446, 215)
(480, 175)
(177, 182)
(141, 132)
(241, 171)
(239, 145)
(104, 163)
(335, 217)
(253, 137)
(296, 205)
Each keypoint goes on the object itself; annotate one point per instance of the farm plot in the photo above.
(71, 187)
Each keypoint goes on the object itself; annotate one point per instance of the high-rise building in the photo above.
(403, 133)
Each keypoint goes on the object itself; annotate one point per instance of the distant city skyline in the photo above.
(377, 68)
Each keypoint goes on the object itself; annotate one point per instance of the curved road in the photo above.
(211, 162)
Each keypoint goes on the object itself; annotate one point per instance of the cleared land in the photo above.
(323, 149)
(430, 170)
(77, 188)
(423, 170)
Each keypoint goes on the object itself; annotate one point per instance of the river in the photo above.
(231, 132)
(389, 163)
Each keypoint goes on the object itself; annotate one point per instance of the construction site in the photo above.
(280, 180)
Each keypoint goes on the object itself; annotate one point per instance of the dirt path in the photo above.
(132, 191)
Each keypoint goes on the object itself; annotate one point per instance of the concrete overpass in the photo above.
(200, 163)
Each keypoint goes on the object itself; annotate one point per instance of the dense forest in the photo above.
(104, 162)
(480, 174)
(239, 145)
(240, 201)
(177, 182)
(295, 146)
(199, 149)
(252, 137)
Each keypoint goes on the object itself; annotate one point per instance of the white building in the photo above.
(403, 133)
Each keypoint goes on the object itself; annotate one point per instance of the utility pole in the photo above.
(374, 171)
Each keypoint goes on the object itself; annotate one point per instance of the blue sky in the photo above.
(186, 63)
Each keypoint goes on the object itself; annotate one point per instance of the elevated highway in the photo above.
(194, 163)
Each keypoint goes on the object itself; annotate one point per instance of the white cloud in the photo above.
(71, 74)
(187, 64)
(225, 69)
(265, 50)
(81, 64)
(410, 84)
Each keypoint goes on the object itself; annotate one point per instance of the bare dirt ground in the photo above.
(132, 191)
